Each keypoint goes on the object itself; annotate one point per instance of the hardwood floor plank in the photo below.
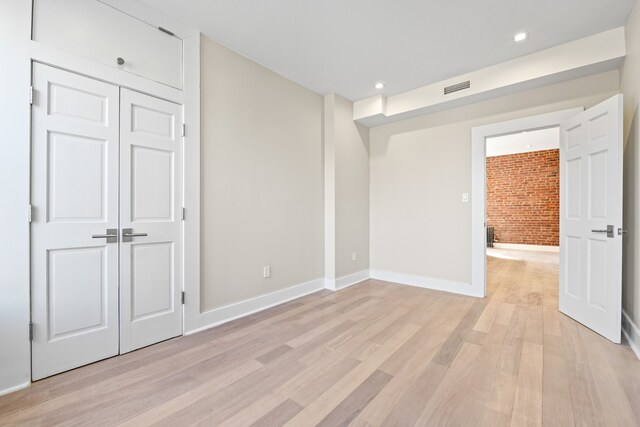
(421, 348)
(412, 400)
(439, 410)
(312, 389)
(509, 358)
(320, 407)
(354, 403)
(314, 380)
(170, 407)
(490, 312)
(586, 405)
(357, 340)
(615, 411)
(556, 396)
(323, 327)
(551, 314)
(500, 399)
(272, 355)
(279, 415)
(504, 314)
(233, 398)
(459, 335)
(527, 408)
(627, 368)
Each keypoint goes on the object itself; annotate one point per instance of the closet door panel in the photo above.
(151, 203)
(75, 199)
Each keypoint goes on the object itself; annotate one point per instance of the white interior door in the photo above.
(151, 204)
(74, 273)
(591, 217)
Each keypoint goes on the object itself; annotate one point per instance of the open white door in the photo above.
(591, 218)
(150, 218)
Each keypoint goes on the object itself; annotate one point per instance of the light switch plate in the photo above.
(465, 197)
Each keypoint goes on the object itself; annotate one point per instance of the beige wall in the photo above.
(630, 84)
(630, 74)
(262, 194)
(631, 243)
(420, 168)
(352, 190)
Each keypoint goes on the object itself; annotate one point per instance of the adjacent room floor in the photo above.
(373, 354)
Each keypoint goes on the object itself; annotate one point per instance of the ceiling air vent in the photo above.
(457, 87)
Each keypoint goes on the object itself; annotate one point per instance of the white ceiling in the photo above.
(524, 142)
(345, 46)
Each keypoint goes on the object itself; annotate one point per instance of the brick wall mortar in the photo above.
(523, 197)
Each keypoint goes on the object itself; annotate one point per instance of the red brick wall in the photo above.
(523, 197)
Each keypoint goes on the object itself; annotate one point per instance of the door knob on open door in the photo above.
(128, 234)
(609, 231)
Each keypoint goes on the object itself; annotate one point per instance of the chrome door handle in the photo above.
(111, 236)
(609, 231)
(128, 234)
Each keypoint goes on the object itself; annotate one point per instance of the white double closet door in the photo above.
(106, 235)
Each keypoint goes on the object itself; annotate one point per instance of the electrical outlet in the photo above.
(266, 271)
(354, 256)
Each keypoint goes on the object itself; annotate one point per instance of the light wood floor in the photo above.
(373, 354)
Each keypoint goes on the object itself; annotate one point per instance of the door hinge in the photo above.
(30, 331)
(30, 95)
(183, 214)
(184, 129)
(29, 213)
(182, 298)
(164, 30)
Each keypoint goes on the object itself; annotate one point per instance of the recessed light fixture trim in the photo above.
(520, 37)
(379, 85)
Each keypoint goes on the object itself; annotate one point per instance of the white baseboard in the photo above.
(352, 279)
(346, 281)
(14, 388)
(631, 333)
(330, 284)
(218, 316)
(516, 246)
(427, 282)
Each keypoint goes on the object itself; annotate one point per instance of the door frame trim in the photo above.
(479, 137)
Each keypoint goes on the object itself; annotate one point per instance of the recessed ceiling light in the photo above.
(529, 146)
(379, 85)
(520, 37)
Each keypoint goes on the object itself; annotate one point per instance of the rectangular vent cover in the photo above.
(457, 87)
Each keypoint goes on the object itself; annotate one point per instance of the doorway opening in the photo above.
(490, 140)
(523, 201)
